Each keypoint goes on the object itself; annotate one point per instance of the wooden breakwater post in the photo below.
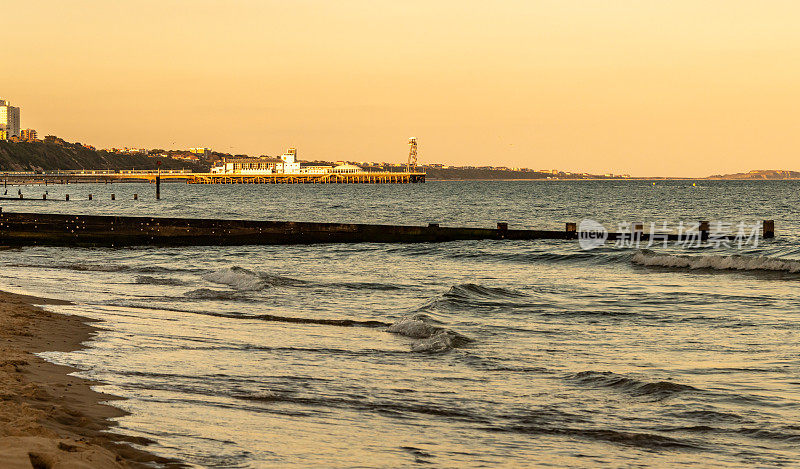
(135, 196)
(158, 186)
(769, 229)
(67, 198)
(113, 197)
(90, 196)
(704, 228)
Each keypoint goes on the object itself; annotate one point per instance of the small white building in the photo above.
(290, 163)
(346, 169)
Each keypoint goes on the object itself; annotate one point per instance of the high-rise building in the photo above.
(9, 119)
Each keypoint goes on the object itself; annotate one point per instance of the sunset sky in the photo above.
(670, 88)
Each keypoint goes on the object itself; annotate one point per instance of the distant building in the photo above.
(290, 163)
(28, 135)
(262, 165)
(346, 169)
(54, 140)
(3, 135)
(9, 119)
(313, 168)
(135, 151)
(285, 164)
(201, 151)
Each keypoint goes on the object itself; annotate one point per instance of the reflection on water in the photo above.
(457, 354)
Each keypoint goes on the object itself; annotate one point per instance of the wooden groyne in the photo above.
(22, 229)
(30, 229)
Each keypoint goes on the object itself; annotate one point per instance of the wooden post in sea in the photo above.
(67, 199)
(135, 196)
(113, 197)
(90, 196)
(769, 229)
(158, 182)
(704, 229)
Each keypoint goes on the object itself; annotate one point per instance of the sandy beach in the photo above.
(47, 418)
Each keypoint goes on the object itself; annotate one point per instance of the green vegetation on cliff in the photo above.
(45, 156)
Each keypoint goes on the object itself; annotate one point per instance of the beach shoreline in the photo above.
(49, 419)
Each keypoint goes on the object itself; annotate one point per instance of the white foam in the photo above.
(716, 262)
(431, 338)
(439, 342)
(236, 277)
(414, 327)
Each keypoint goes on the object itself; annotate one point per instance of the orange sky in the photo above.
(672, 88)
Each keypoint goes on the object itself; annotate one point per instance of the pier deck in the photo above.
(61, 177)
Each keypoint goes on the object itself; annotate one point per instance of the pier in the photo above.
(33, 229)
(108, 176)
(328, 178)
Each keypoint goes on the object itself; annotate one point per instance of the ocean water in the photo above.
(461, 354)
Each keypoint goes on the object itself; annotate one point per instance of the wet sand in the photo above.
(47, 418)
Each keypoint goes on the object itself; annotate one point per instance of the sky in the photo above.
(648, 88)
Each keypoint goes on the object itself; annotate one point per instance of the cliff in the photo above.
(45, 156)
(760, 174)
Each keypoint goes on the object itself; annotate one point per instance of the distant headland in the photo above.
(53, 153)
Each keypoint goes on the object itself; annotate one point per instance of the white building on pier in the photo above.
(285, 164)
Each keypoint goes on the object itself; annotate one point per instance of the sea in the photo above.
(459, 354)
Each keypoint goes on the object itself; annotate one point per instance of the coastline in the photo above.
(49, 419)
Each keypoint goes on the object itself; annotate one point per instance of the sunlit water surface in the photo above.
(461, 354)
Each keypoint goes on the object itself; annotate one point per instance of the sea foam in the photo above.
(717, 262)
(240, 278)
(431, 338)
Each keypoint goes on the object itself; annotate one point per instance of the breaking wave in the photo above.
(247, 280)
(325, 322)
(716, 262)
(471, 290)
(635, 387)
(148, 280)
(209, 294)
(110, 267)
(638, 439)
(430, 338)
